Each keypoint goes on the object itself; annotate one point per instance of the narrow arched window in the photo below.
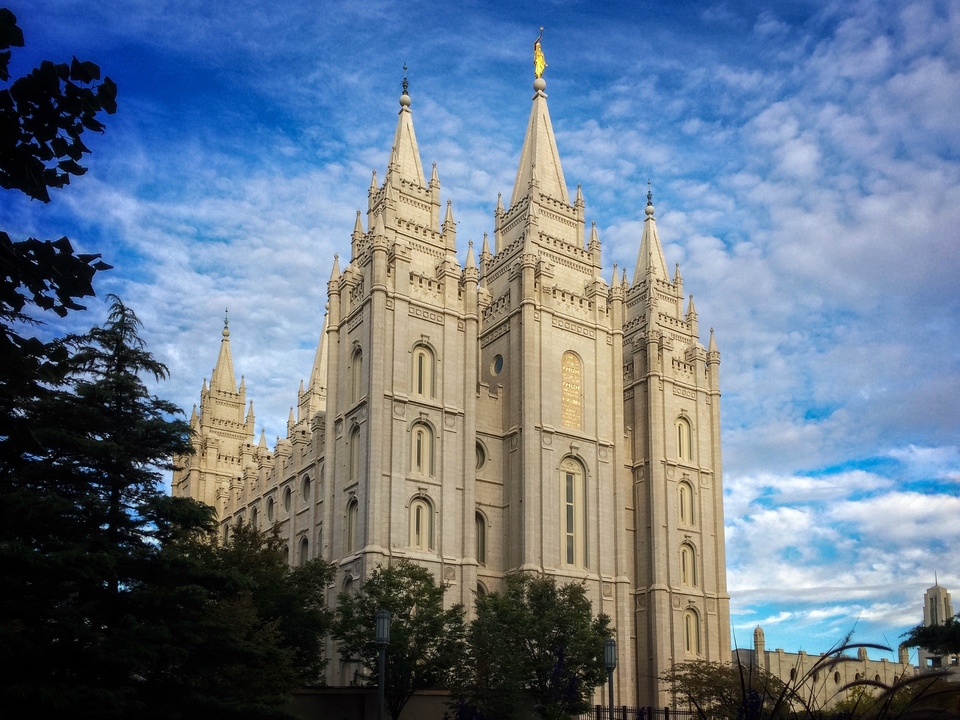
(424, 365)
(421, 450)
(685, 503)
(481, 539)
(573, 516)
(684, 437)
(691, 631)
(353, 516)
(421, 524)
(356, 375)
(255, 518)
(306, 485)
(688, 565)
(354, 469)
(304, 554)
(571, 391)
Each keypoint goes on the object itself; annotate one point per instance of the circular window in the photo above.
(481, 456)
(270, 509)
(286, 499)
(496, 367)
(305, 488)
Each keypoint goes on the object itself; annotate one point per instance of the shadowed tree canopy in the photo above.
(426, 641)
(42, 118)
(942, 639)
(534, 645)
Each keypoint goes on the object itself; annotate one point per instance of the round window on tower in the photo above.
(496, 367)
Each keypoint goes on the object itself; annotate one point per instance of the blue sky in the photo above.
(805, 162)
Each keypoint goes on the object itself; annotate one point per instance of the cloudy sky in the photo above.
(805, 161)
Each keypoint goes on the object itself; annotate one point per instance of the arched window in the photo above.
(286, 554)
(286, 498)
(481, 589)
(684, 437)
(255, 518)
(571, 391)
(225, 528)
(691, 631)
(685, 503)
(573, 517)
(421, 524)
(305, 488)
(270, 509)
(421, 450)
(688, 565)
(424, 365)
(481, 539)
(354, 449)
(353, 516)
(304, 551)
(356, 375)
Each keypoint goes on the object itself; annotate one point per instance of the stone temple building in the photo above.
(516, 413)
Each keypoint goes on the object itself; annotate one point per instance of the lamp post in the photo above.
(382, 640)
(610, 660)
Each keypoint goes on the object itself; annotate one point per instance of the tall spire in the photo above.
(650, 259)
(405, 156)
(539, 158)
(223, 378)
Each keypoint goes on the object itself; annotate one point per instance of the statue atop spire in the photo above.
(539, 63)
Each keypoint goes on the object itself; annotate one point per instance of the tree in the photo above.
(721, 690)
(535, 644)
(942, 639)
(117, 601)
(42, 118)
(426, 641)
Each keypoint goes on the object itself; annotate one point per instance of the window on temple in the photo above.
(691, 631)
(688, 565)
(424, 366)
(684, 438)
(685, 503)
(421, 450)
(356, 375)
(573, 517)
(354, 473)
(421, 524)
(353, 517)
(304, 551)
(481, 539)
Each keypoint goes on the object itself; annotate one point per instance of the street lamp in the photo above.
(382, 640)
(610, 660)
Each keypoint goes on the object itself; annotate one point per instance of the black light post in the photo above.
(382, 640)
(610, 660)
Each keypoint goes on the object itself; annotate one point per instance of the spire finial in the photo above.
(649, 208)
(405, 95)
(539, 63)
(226, 322)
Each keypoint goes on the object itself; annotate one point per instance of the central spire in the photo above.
(539, 159)
(405, 155)
(223, 377)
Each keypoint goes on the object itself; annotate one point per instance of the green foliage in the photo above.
(40, 122)
(943, 639)
(115, 600)
(44, 114)
(426, 641)
(722, 690)
(535, 645)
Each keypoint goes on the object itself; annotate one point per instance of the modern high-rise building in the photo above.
(517, 413)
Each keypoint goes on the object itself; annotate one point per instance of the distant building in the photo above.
(824, 686)
(516, 413)
(937, 610)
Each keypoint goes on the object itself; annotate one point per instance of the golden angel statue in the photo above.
(539, 64)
